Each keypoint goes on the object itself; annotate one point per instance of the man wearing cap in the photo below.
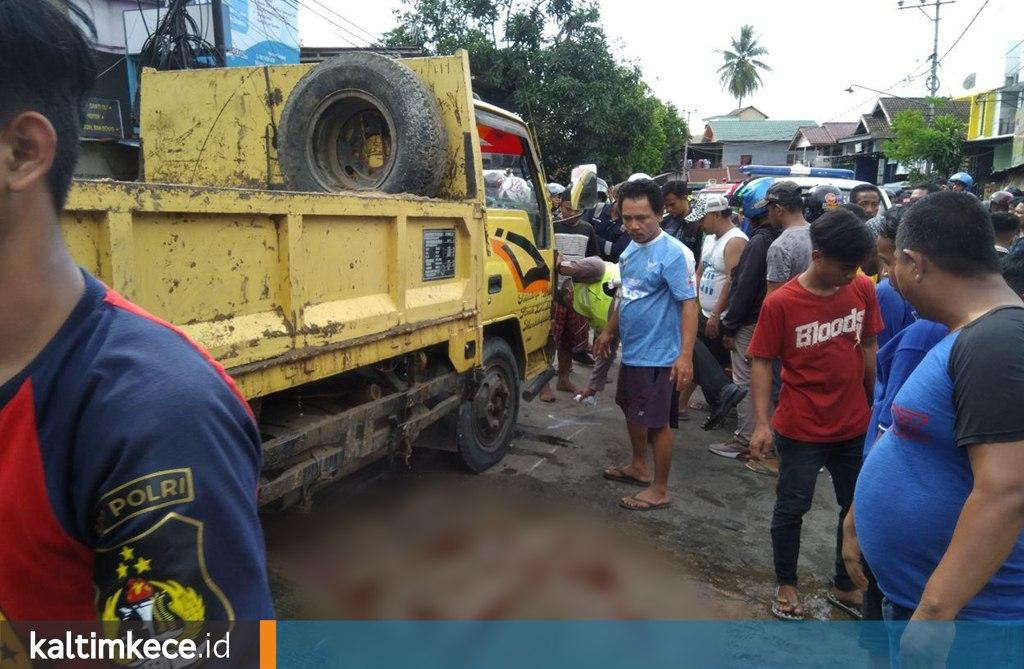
(1000, 201)
(790, 254)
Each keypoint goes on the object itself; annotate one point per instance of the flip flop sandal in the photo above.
(847, 608)
(785, 613)
(758, 467)
(647, 505)
(616, 474)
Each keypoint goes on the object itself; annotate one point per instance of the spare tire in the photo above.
(362, 121)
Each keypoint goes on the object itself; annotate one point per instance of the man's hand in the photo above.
(761, 442)
(851, 553)
(711, 329)
(681, 372)
(602, 345)
(728, 343)
(926, 644)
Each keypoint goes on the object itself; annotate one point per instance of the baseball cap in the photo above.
(707, 204)
(780, 192)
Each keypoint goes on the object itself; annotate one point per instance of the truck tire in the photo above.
(487, 422)
(362, 121)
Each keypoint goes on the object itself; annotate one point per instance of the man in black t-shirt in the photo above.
(676, 223)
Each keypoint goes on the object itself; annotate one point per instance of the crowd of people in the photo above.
(882, 344)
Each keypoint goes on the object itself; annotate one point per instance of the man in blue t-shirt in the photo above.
(949, 544)
(129, 460)
(657, 324)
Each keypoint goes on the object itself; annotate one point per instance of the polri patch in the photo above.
(142, 495)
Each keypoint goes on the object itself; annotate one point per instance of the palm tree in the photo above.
(739, 73)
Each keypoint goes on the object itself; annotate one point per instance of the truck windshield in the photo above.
(510, 182)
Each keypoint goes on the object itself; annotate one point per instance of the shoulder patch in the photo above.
(157, 583)
(142, 495)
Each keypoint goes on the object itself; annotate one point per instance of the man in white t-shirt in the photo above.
(723, 246)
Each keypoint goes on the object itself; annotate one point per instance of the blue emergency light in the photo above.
(796, 171)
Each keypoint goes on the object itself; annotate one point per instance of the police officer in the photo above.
(129, 461)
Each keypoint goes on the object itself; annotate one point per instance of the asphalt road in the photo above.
(541, 536)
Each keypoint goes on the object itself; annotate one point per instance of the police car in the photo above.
(809, 177)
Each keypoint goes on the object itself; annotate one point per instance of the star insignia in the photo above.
(142, 565)
(127, 553)
(122, 570)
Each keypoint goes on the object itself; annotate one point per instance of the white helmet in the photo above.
(555, 189)
(639, 176)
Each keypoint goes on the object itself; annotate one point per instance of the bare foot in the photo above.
(854, 598)
(546, 395)
(565, 385)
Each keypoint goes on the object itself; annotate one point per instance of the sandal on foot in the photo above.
(783, 609)
(641, 504)
(618, 474)
(846, 607)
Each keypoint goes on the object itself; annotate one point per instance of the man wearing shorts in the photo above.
(657, 324)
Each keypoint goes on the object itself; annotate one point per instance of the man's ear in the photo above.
(917, 262)
(29, 143)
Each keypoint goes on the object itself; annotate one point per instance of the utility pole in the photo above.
(933, 79)
(217, 11)
(686, 145)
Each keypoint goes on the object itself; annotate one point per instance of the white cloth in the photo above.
(712, 260)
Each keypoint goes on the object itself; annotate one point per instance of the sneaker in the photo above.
(730, 396)
(730, 449)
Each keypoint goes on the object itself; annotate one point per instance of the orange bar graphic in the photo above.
(268, 644)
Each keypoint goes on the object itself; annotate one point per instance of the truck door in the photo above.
(518, 225)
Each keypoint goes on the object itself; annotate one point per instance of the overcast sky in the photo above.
(817, 48)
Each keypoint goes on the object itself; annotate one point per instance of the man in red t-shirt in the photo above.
(822, 325)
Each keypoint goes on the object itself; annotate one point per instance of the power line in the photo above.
(302, 3)
(351, 23)
(964, 32)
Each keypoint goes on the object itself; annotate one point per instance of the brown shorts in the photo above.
(645, 395)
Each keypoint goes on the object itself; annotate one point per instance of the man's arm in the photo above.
(682, 369)
(602, 344)
(778, 271)
(989, 526)
(761, 396)
(870, 347)
(747, 286)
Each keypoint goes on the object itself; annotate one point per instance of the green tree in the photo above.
(549, 61)
(940, 143)
(739, 73)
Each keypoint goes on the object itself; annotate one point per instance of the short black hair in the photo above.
(1013, 270)
(891, 223)
(953, 230)
(841, 235)
(856, 210)
(46, 66)
(643, 188)
(864, 188)
(929, 187)
(1004, 222)
(677, 188)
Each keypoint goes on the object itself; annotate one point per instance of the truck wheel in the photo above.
(487, 421)
(362, 121)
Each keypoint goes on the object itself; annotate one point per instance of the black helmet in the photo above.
(821, 199)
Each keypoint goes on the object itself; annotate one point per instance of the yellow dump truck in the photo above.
(272, 221)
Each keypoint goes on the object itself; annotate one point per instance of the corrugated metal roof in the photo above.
(735, 130)
(961, 109)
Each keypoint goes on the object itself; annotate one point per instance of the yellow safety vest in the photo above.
(590, 301)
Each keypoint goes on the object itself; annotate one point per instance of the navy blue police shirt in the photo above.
(917, 476)
(129, 465)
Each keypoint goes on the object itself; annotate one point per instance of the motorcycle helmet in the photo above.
(821, 199)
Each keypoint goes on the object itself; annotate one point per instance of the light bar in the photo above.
(796, 171)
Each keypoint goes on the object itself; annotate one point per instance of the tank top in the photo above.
(712, 259)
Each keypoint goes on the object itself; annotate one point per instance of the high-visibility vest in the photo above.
(590, 301)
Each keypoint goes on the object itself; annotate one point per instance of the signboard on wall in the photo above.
(261, 32)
